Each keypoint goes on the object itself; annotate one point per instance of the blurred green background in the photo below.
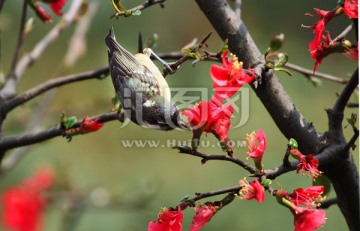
(142, 180)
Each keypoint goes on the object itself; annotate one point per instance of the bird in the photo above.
(141, 88)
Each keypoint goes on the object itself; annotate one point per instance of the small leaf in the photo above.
(266, 182)
(283, 70)
(70, 122)
(152, 41)
(322, 180)
(116, 104)
(117, 5)
(136, 12)
(315, 81)
(29, 26)
(227, 200)
(185, 198)
(352, 121)
(293, 143)
(282, 60)
(189, 53)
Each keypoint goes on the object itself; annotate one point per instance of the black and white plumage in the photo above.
(142, 90)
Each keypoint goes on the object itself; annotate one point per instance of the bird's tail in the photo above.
(111, 42)
(122, 56)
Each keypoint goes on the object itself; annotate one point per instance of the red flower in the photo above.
(229, 77)
(23, 205)
(315, 47)
(256, 143)
(306, 163)
(351, 8)
(305, 219)
(168, 220)
(309, 163)
(308, 219)
(252, 190)
(89, 125)
(211, 117)
(203, 215)
(56, 6)
(306, 196)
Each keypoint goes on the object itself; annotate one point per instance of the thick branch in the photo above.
(53, 83)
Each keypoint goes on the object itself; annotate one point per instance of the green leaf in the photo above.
(227, 200)
(116, 104)
(152, 41)
(315, 81)
(352, 121)
(185, 198)
(322, 180)
(136, 12)
(189, 53)
(117, 5)
(282, 59)
(266, 182)
(293, 143)
(283, 70)
(70, 122)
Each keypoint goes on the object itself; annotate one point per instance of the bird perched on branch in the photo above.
(141, 88)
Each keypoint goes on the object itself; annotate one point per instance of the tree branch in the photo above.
(326, 204)
(343, 34)
(308, 72)
(9, 88)
(345, 95)
(206, 157)
(200, 196)
(99, 73)
(7, 143)
(140, 7)
(19, 41)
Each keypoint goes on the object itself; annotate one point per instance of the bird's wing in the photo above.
(126, 69)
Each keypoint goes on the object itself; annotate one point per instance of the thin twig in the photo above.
(206, 157)
(184, 58)
(308, 72)
(199, 196)
(77, 44)
(343, 34)
(238, 8)
(326, 204)
(9, 88)
(56, 82)
(345, 95)
(140, 7)
(19, 41)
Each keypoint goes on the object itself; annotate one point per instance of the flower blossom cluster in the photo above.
(23, 205)
(323, 45)
(212, 116)
(303, 205)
